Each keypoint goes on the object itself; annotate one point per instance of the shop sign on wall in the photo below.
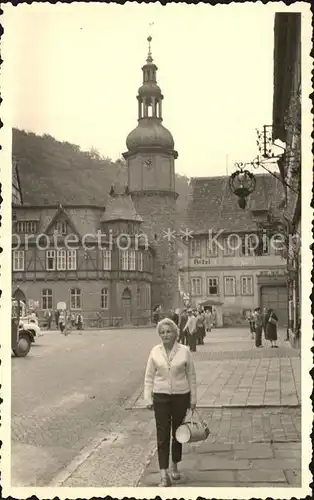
(201, 262)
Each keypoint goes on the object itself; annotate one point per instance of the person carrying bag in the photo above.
(169, 390)
(271, 321)
(193, 429)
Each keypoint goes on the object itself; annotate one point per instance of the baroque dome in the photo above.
(149, 133)
(149, 88)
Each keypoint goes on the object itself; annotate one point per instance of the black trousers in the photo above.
(192, 341)
(183, 337)
(258, 336)
(170, 411)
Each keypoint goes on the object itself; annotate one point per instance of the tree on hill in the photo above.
(53, 172)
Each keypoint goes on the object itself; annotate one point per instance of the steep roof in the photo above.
(120, 207)
(213, 206)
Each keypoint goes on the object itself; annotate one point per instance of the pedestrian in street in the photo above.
(190, 329)
(72, 319)
(79, 321)
(200, 328)
(48, 317)
(264, 315)
(156, 314)
(169, 389)
(251, 321)
(258, 319)
(208, 320)
(183, 339)
(57, 314)
(62, 321)
(175, 316)
(214, 317)
(271, 321)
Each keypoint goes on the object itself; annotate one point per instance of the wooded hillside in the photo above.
(52, 171)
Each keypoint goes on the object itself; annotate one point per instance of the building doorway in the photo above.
(18, 294)
(277, 298)
(126, 306)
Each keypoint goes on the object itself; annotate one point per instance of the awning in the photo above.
(211, 302)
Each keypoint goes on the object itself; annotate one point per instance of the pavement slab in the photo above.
(230, 376)
(260, 476)
(250, 399)
(69, 408)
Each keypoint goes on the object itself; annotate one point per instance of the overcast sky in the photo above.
(73, 72)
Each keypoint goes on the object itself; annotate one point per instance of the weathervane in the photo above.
(149, 39)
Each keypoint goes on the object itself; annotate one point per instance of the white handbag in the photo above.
(192, 430)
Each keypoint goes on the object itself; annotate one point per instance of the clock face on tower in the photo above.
(147, 162)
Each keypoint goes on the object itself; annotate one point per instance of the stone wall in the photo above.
(158, 211)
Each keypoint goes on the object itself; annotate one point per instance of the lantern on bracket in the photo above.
(242, 183)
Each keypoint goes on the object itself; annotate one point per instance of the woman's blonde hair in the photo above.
(168, 322)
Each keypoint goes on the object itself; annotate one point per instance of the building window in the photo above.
(277, 243)
(230, 285)
(263, 246)
(71, 260)
(46, 299)
(76, 298)
(61, 260)
(18, 260)
(124, 260)
(138, 298)
(196, 286)
(128, 260)
(212, 286)
(230, 245)
(148, 297)
(50, 260)
(28, 227)
(107, 260)
(61, 227)
(195, 248)
(132, 260)
(104, 298)
(252, 245)
(212, 249)
(140, 261)
(246, 285)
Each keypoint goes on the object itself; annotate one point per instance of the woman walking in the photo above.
(62, 321)
(208, 320)
(169, 389)
(200, 328)
(271, 321)
(251, 321)
(258, 320)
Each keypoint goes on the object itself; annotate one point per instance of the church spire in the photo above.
(149, 94)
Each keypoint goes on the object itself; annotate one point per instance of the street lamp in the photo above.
(242, 183)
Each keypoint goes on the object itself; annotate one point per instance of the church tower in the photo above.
(151, 180)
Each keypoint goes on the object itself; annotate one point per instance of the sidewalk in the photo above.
(250, 399)
(232, 372)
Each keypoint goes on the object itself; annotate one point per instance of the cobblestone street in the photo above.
(86, 425)
(68, 397)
